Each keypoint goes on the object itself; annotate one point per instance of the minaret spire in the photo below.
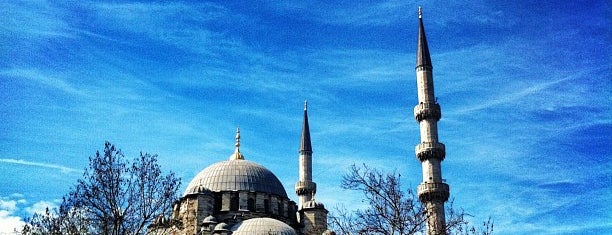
(423, 58)
(433, 192)
(305, 145)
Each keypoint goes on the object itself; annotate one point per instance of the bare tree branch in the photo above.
(113, 197)
(391, 210)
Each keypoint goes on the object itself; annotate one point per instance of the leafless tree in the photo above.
(56, 221)
(390, 209)
(114, 197)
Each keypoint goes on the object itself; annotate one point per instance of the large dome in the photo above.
(262, 226)
(236, 175)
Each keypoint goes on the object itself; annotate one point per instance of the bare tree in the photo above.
(113, 197)
(390, 209)
(56, 221)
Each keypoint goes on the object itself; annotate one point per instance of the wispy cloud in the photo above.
(37, 76)
(166, 22)
(514, 96)
(61, 168)
(366, 13)
(33, 20)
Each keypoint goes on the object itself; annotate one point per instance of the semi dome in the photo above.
(222, 227)
(237, 175)
(262, 226)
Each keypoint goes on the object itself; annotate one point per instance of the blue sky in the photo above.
(524, 87)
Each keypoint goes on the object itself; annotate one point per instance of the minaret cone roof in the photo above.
(423, 58)
(305, 145)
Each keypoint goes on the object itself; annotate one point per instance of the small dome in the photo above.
(237, 175)
(222, 227)
(200, 189)
(262, 226)
(209, 220)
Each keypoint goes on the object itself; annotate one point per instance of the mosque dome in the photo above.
(237, 175)
(262, 226)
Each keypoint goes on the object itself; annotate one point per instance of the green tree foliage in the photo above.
(390, 210)
(113, 197)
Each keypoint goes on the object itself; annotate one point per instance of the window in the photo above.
(234, 202)
(266, 205)
(251, 204)
(217, 205)
(280, 208)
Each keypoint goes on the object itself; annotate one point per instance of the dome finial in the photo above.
(305, 105)
(237, 155)
(420, 12)
(237, 139)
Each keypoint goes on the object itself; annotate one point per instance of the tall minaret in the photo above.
(433, 192)
(305, 188)
(312, 215)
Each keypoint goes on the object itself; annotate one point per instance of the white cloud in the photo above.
(12, 206)
(40, 207)
(8, 220)
(9, 205)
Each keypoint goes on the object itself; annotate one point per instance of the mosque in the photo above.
(241, 197)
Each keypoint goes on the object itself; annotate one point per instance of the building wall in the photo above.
(232, 207)
(314, 220)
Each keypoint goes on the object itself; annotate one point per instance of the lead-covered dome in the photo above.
(237, 175)
(262, 226)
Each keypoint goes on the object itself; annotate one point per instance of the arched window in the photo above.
(280, 208)
(234, 202)
(217, 205)
(266, 205)
(251, 204)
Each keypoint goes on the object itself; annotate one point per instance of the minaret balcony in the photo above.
(426, 150)
(427, 110)
(305, 187)
(433, 192)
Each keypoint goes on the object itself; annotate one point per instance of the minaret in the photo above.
(305, 188)
(433, 192)
(312, 215)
